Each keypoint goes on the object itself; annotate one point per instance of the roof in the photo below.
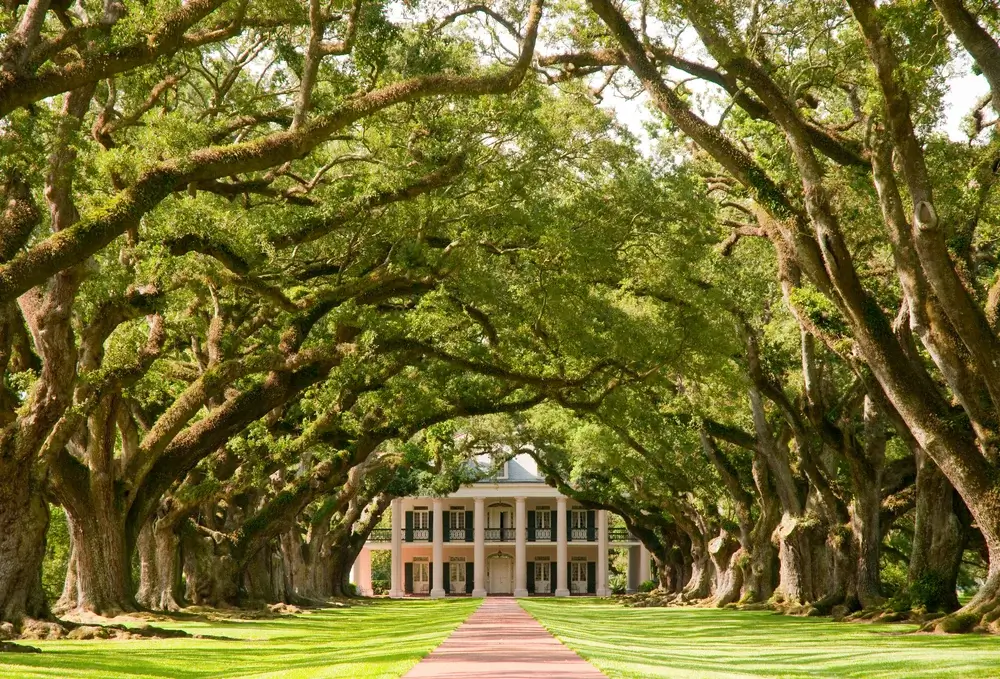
(521, 469)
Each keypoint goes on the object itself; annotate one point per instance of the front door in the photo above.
(457, 577)
(578, 577)
(421, 577)
(543, 577)
(499, 576)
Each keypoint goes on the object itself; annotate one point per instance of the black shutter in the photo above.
(553, 524)
(531, 576)
(469, 536)
(569, 576)
(408, 577)
(569, 525)
(591, 577)
(470, 573)
(430, 526)
(447, 578)
(430, 576)
(531, 528)
(409, 526)
(446, 520)
(591, 525)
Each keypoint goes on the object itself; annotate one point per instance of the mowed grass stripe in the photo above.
(698, 643)
(380, 639)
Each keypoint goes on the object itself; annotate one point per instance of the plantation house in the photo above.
(511, 534)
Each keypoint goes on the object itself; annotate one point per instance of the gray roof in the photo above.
(516, 473)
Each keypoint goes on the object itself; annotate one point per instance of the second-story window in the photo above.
(458, 519)
(543, 518)
(579, 519)
(421, 519)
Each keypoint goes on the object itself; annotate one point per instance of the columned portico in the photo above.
(437, 535)
(602, 553)
(479, 548)
(396, 540)
(562, 587)
(509, 535)
(520, 549)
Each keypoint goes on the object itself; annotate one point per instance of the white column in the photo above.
(562, 586)
(479, 550)
(602, 553)
(437, 587)
(396, 570)
(362, 571)
(643, 564)
(520, 549)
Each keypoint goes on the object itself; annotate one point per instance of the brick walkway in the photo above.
(501, 641)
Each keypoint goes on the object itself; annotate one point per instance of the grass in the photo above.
(378, 640)
(687, 643)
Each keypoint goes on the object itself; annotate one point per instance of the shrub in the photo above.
(352, 589)
(647, 586)
(618, 583)
(380, 587)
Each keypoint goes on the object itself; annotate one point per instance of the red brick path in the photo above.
(501, 641)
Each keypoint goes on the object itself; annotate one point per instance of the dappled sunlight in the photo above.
(724, 644)
(382, 640)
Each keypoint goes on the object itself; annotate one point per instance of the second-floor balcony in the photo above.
(500, 535)
(621, 535)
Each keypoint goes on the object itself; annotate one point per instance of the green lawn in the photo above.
(381, 639)
(715, 644)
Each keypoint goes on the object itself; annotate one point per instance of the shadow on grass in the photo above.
(721, 644)
(381, 639)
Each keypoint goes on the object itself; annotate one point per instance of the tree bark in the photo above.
(103, 575)
(727, 556)
(939, 537)
(24, 520)
(159, 557)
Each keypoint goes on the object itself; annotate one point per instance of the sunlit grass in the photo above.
(686, 643)
(378, 640)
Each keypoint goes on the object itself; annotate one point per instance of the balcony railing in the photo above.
(544, 535)
(456, 535)
(421, 535)
(620, 535)
(499, 535)
(578, 535)
(380, 535)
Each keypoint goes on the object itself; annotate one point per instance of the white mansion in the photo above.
(511, 534)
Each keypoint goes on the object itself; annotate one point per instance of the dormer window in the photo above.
(503, 471)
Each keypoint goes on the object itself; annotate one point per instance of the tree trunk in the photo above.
(866, 533)
(210, 574)
(24, 520)
(726, 555)
(699, 584)
(795, 562)
(159, 556)
(940, 534)
(103, 575)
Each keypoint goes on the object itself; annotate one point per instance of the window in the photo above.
(421, 519)
(543, 518)
(579, 519)
(457, 574)
(458, 519)
(503, 471)
(542, 571)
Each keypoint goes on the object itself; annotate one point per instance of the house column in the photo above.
(396, 569)
(437, 586)
(562, 586)
(479, 549)
(643, 564)
(362, 572)
(602, 553)
(520, 549)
